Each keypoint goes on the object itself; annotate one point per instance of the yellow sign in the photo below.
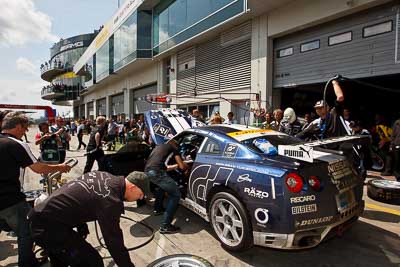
(233, 134)
(67, 75)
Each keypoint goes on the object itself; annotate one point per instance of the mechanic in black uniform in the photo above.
(330, 123)
(15, 155)
(49, 144)
(93, 196)
(94, 147)
(62, 132)
(156, 169)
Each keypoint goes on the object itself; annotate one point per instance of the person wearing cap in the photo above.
(15, 156)
(330, 122)
(48, 143)
(95, 196)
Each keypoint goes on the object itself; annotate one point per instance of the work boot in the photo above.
(169, 229)
(388, 166)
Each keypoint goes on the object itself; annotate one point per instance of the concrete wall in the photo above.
(301, 14)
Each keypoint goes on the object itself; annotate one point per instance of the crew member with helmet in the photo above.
(290, 124)
(94, 146)
(93, 196)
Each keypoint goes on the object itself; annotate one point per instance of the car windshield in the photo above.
(258, 144)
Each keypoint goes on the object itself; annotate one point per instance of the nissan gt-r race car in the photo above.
(262, 187)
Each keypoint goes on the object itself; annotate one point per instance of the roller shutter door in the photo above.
(221, 64)
(357, 46)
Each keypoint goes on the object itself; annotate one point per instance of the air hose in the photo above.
(131, 248)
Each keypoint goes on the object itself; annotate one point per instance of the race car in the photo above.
(262, 187)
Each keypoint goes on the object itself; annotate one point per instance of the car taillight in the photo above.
(314, 183)
(294, 182)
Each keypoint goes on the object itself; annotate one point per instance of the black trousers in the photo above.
(95, 156)
(64, 246)
(81, 141)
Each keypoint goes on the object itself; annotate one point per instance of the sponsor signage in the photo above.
(304, 209)
(230, 150)
(300, 152)
(339, 169)
(314, 221)
(253, 192)
(261, 216)
(70, 46)
(302, 199)
(244, 178)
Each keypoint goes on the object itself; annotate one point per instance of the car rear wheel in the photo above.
(384, 191)
(230, 222)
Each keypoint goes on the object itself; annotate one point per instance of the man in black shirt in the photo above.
(61, 131)
(156, 169)
(94, 147)
(93, 196)
(16, 155)
(330, 122)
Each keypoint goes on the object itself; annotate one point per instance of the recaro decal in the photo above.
(302, 199)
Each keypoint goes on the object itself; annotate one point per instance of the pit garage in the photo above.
(362, 47)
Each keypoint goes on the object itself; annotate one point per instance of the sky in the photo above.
(28, 28)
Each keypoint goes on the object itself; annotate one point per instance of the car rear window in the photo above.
(275, 140)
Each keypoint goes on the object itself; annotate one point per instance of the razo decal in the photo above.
(252, 192)
(304, 209)
(302, 199)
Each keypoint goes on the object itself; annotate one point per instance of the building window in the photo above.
(340, 38)
(309, 46)
(285, 52)
(125, 42)
(103, 62)
(377, 29)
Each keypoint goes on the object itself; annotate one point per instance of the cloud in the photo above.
(21, 23)
(26, 92)
(24, 65)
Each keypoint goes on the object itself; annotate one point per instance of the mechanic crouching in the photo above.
(156, 169)
(93, 196)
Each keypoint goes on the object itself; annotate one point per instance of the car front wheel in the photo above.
(230, 222)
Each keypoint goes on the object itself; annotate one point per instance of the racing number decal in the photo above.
(161, 130)
(200, 180)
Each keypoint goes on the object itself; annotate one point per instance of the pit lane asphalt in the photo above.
(373, 241)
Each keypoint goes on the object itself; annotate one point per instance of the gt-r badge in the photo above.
(261, 215)
(244, 178)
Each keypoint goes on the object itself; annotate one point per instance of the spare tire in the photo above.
(385, 191)
(180, 260)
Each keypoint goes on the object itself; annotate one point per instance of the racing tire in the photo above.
(384, 191)
(179, 260)
(230, 222)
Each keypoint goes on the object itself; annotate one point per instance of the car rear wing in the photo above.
(328, 150)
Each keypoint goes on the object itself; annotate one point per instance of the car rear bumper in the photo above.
(311, 237)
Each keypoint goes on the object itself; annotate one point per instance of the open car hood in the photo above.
(165, 123)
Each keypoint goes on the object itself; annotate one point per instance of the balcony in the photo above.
(52, 69)
(51, 92)
(61, 94)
